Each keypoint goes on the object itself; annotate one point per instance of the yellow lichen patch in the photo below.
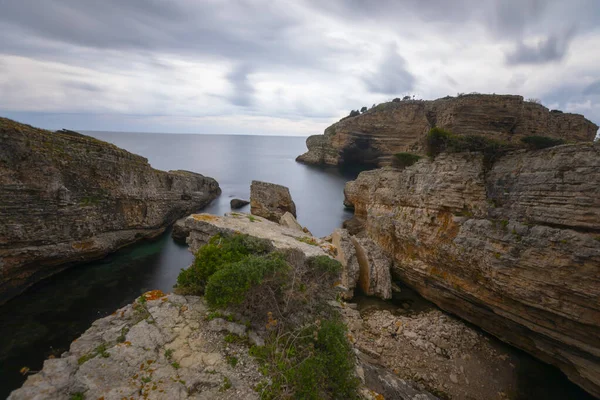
(154, 295)
(85, 245)
(329, 248)
(205, 217)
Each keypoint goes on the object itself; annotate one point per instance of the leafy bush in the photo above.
(403, 160)
(541, 142)
(314, 362)
(354, 113)
(439, 140)
(229, 285)
(363, 109)
(396, 100)
(219, 251)
(324, 264)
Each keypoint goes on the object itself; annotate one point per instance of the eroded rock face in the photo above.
(514, 249)
(270, 201)
(67, 198)
(373, 137)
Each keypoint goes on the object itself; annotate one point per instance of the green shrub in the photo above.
(541, 142)
(228, 285)
(437, 141)
(219, 251)
(324, 264)
(403, 160)
(77, 396)
(319, 365)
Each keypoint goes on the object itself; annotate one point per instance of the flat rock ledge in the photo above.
(199, 228)
(163, 349)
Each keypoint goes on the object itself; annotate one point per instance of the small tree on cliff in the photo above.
(363, 110)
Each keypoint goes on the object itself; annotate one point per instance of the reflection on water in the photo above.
(49, 315)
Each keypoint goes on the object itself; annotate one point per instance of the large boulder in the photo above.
(270, 201)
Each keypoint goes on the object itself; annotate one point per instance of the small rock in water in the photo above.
(238, 203)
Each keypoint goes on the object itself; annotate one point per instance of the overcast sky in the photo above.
(283, 67)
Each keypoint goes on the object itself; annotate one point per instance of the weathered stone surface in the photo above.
(374, 276)
(288, 220)
(270, 201)
(514, 249)
(162, 349)
(389, 128)
(238, 203)
(67, 198)
(346, 255)
(201, 227)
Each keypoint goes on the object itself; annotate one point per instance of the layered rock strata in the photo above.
(514, 249)
(67, 198)
(389, 128)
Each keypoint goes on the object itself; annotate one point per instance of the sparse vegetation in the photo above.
(403, 160)
(541, 142)
(285, 292)
(440, 140)
(313, 362)
(77, 396)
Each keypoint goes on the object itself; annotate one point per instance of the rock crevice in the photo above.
(514, 250)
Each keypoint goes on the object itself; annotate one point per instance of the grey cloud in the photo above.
(552, 48)
(239, 30)
(392, 77)
(88, 87)
(592, 89)
(243, 93)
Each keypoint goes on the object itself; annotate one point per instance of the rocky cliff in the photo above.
(389, 128)
(67, 198)
(514, 248)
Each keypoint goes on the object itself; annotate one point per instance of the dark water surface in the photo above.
(48, 316)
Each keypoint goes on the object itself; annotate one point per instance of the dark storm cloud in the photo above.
(246, 31)
(243, 90)
(552, 48)
(593, 89)
(391, 77)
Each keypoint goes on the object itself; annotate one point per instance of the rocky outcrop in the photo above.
(270, 201)
(374, 136)
(67, 198)
(514, 249)
(288, 220)
(162, 348)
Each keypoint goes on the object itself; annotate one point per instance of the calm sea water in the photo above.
(47, 317)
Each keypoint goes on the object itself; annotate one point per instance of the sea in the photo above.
(43, 321)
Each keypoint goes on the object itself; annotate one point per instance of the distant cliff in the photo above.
(67, 198)
(513, 248)
(389, 128)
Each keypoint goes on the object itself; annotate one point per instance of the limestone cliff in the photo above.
(67, 198)
(514, 248)
(389, 128)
